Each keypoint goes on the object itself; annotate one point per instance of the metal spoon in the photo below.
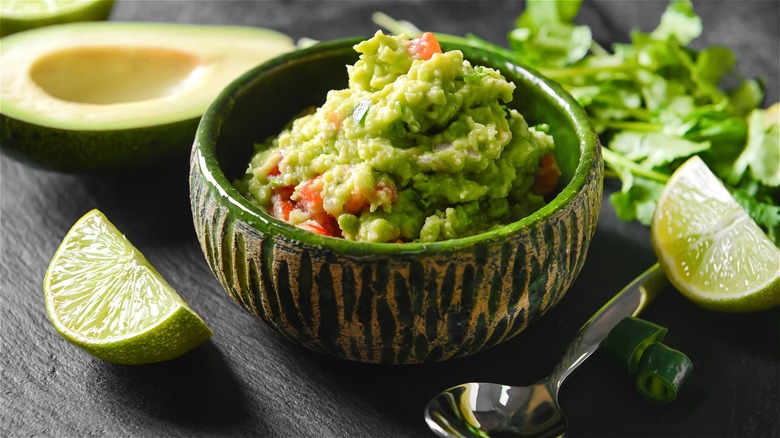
(495, 410)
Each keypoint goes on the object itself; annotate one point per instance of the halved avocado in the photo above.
(96, 97)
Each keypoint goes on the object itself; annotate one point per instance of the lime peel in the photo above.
(105, 297)
(20, 15)
(711, 249)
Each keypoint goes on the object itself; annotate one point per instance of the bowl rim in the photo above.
(204, 157)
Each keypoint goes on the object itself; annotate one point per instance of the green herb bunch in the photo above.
(655, 102)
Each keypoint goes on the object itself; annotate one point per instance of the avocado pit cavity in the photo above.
(113, 75)
(91, 97)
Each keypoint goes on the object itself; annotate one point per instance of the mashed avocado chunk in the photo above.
(420, 147)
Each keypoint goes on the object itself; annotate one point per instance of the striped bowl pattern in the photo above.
(404, 309)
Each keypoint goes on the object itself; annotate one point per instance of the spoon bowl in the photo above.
(496, 410)
(527, 410)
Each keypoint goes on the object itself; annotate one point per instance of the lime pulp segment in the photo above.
(20, 15)
(103, 295)
(710, 247)
(39, 8)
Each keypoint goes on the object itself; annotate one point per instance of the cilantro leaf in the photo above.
(745, 97)
(761, 155)
(473, 77)
(360, 112)
(546, 36)
(761, 203)
(637, 201)
(654, 149)
(679, 22)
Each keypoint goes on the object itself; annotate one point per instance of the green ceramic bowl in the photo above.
(387, 303)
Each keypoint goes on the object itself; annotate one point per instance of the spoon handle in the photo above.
(628, 302)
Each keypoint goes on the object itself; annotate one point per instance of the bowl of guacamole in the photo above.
(395, 199)
(421, 146)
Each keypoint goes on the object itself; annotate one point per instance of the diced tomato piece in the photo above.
(358, 202)
(282, 208)
(310, 201)
(314, 227)
(281, 204)
(330, 229)
(332, 225)
(276, 158)
(309, 196)
(327, 221)
(424, 46)
(547, 177)
(389, 190)
(285, 191)
(335, 119)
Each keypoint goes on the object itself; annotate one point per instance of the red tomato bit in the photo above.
(424, 46)
(358, 202)
(275, 170)
(335, 119)
(281, 204)
(309, 196)
(548, 175)
(314, 227)
(310, 201)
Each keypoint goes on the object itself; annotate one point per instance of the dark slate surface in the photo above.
(247, 380)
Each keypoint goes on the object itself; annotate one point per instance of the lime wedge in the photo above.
(19, 15)
(103, 295)
(710, 248)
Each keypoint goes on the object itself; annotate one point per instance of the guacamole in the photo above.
(420, 147)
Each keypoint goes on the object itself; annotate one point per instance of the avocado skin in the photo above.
(99, 11)
(94, 152)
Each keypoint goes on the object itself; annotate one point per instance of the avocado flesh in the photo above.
(112, 76)
(92, 97)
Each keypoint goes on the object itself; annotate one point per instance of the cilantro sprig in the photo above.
(655, 102)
